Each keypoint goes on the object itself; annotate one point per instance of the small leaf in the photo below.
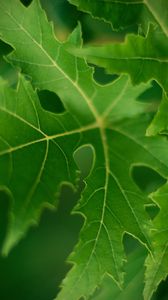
(160, 121)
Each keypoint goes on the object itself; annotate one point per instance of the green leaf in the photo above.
(106, 117)
(157, 265)
(121, 13)
(143, 58)
(44, 141)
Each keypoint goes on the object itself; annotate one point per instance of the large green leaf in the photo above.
(121, 13)
(47, 142)
(37, 148)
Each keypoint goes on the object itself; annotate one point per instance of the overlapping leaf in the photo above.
(37, 149)
(124, 13)
(143, 58)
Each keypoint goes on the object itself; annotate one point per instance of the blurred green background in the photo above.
(36, 266)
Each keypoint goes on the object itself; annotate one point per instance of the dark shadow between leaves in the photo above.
(5, 48)
(26, 2)
(148, 180)
(40, 257)
(4, 209)
(50, 101)
(153, 94)
(7, 71)
(101, 77)
(161, 292)
(131, 243)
